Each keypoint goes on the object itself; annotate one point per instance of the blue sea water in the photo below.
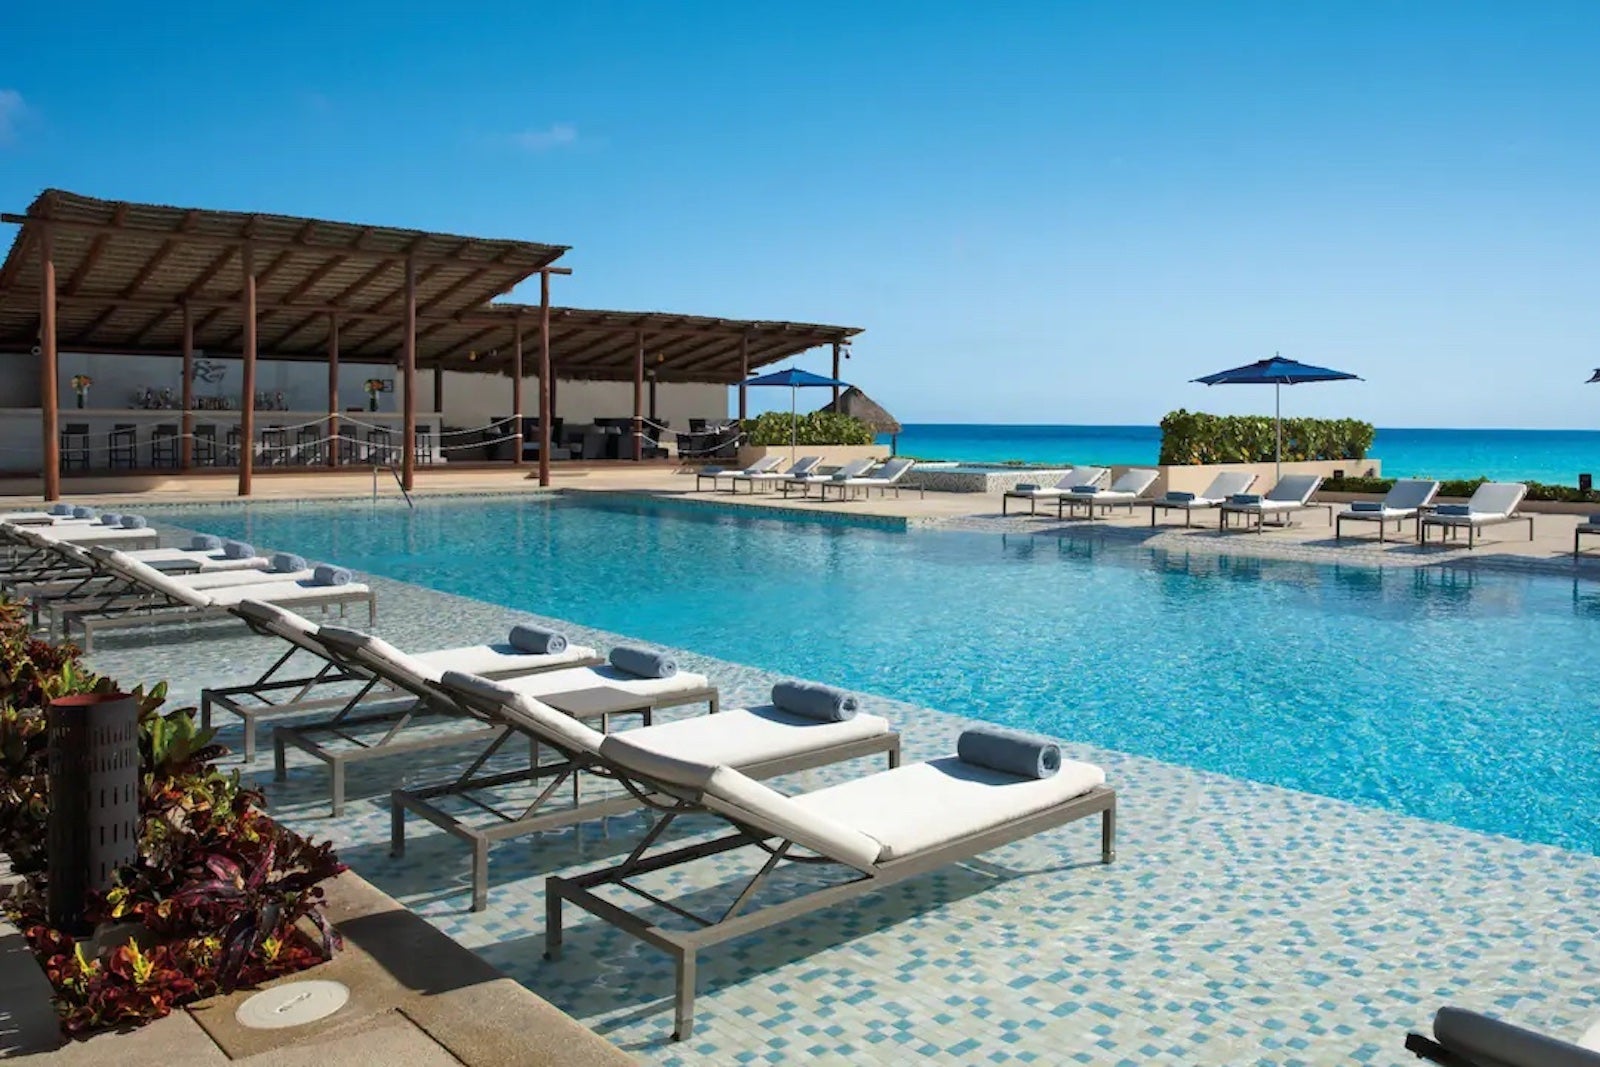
(1455, 696)
(1552, 456)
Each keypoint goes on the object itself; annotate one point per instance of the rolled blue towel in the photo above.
(62, 510)
(644, 662)
(1245, 498)
(708, 471)
(1366, 505)
(841, 476)
(1026, 487)
(81, 512)
(1009, 751)
(205, 543)
(1452, 509)
(287, 562)
(133, 522)
(1086, 490)
(328, 574)
(110, 518)
(1177, 496)
(821, 702)
(536, 640)
(1593, 520)
(237, 550)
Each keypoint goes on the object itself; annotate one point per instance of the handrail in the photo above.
(399, 484)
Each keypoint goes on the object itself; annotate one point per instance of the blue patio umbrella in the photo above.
(795, 379)
(1277, 372)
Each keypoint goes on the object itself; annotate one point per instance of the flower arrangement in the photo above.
(374, 386)
(80, 386)
(218, 891)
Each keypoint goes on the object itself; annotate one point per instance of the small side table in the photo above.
(602, 702)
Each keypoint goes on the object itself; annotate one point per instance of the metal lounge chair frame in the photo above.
(674, 801)
(760, 466)
(1139, 478)
(1059, 489)
(800, 468)
(1412, 508)
(1472, 523)
(881, 482)
(1283, 509)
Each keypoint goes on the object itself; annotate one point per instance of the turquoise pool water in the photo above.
(1462, 697)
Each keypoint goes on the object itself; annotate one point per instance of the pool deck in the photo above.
(1242, 923)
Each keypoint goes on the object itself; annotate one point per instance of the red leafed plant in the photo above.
(218, 893)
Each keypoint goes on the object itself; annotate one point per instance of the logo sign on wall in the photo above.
(209, 371)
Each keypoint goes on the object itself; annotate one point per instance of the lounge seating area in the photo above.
(1077, 479)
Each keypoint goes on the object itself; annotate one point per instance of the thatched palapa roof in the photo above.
(859, 405)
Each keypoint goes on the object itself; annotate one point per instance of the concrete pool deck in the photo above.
(1242, 922)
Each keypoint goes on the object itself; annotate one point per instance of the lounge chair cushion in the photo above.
(565, 681)
(1496, 498)
(1482, 1039)
(309, 592)
(281, 621)
(194, 559)
(1294, 488)
(922, 806)
(686, 751)
(746, 800)
(497, 659)
(224, 579)
(528, 714)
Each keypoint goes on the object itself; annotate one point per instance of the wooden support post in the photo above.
(545, 400)
(49, 386)
(516, 393)
(186, 442)
(333, 391)
(247, 384)
(744, 372)
(408, 432)
(836, 375)
(438, 390)
(638, 399)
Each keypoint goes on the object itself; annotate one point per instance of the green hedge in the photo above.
(1190, 437)
(814, 428)
(1464, 487)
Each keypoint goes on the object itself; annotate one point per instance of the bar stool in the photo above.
(205, 445)
(308, 444)
(234, 437)
(75, 446)
(422, 446)
(380, 446)
(164, 446)
(123, 442)
(274, 446)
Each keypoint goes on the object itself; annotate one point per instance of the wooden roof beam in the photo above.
(96, 249)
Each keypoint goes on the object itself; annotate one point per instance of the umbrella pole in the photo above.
(794, 422)
(1277, 422)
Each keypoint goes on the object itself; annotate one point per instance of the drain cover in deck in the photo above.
(292, 1004)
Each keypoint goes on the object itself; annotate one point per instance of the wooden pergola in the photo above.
(107, 276)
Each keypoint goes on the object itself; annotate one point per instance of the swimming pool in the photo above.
(1451, 695)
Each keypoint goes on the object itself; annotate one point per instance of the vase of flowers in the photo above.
(80, 386)
(374, 386)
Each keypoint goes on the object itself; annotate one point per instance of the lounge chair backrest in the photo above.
(380, 657)
(749, 802)
(1082, 476)
(803, 466)
(854, 468)
(525, 712)
(1409, 494)
(152, 579)
(1228, 483)
(639, 759)
(281, 621)
(1497, 498)
(764, 464)
(1295, 488)
(1135, 481)
(893, 470)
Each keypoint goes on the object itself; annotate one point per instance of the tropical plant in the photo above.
(812, 428)
(1190, 437)
(1465, 487)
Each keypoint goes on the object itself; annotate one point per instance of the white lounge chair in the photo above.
(883, 828)
(1075, 478)
(151, 598)
(178, 560)
(760, 466)
(1292, 494)
(1221, 488)
(800, 468)
(1405, 500)
(853, 469)
(883, 479)
(1126, 491)
(1491, 503)
(762, 741)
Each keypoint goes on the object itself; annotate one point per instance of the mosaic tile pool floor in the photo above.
(1242, 923)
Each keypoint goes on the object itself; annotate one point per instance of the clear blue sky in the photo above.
(1056, 212)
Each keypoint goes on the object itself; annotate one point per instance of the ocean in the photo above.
(1552, 456)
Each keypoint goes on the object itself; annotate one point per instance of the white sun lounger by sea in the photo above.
(883, 479)
(876, 830)
(760, 466)
(1126, 491)
(1292, 494)
(1221, 488)
(1491, 503)
(1404, 500)
(804, 482)
(801, 468)
(1075, 478)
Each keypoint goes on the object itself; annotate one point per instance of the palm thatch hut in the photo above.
(859, 405)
